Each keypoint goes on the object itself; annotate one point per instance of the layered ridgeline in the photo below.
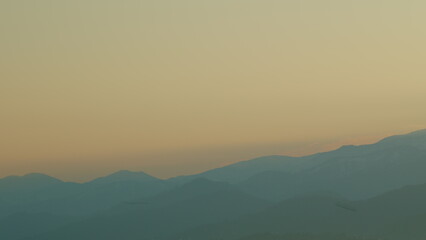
(396, 215)
(41, 193)
(353, 192)
(36, 202)
(354, 172)
(203, 209)
(194, 204)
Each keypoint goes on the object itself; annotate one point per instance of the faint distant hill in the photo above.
(353, 171)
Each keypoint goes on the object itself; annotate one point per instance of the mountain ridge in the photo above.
(386, 142)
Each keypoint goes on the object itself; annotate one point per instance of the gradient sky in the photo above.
(171, 87)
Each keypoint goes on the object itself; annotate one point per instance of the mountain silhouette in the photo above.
(195, 203)
(374, 191)
(355, 172)
(29, 182)
(37, 193)
(398, 214)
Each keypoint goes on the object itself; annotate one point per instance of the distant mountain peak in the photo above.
(125, 175)
(345, 147)
(36, 175)
(29, 181)
(32, 177)
(128, 173)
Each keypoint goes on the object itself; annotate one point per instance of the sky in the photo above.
(89, 87)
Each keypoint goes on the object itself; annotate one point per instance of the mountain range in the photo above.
(355, 172)
(375, 191)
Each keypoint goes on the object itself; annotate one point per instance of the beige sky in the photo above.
(174, 87)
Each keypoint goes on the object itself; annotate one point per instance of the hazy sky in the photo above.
(88, 87)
